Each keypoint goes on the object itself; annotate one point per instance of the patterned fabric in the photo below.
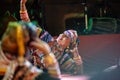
(65, 57)
(73, 47)
(68, 58)
(46, 62)
(46, 36)
(66, 63)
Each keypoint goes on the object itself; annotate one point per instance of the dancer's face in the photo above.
(64, 40)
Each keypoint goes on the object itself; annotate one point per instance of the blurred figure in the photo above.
(13, 65)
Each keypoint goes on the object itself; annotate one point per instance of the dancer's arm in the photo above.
(49, 59)
(23, 11)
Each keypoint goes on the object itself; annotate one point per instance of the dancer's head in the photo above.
(67, 38)
(17, 35)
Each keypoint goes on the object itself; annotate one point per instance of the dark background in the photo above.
(50, 14)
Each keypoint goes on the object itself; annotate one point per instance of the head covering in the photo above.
(69, 34)
(72, 34)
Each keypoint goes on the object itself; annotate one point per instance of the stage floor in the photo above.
(73, 77)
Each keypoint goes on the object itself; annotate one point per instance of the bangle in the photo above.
(23, 11)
